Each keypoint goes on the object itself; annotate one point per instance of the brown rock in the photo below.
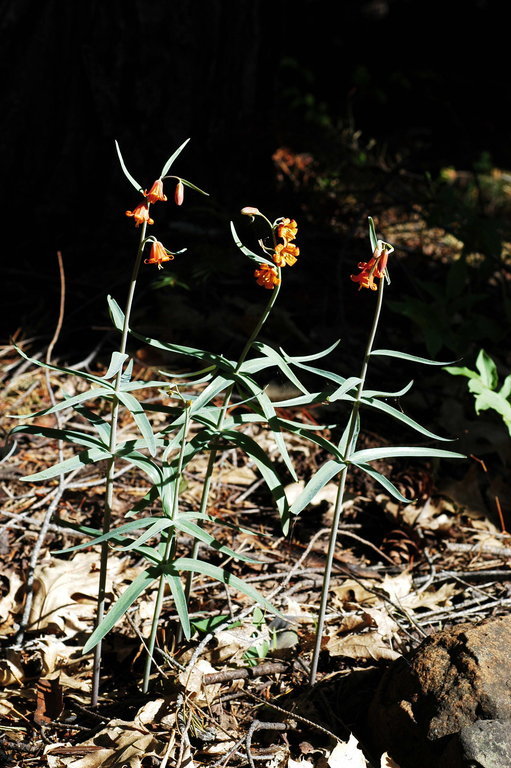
(457, 677)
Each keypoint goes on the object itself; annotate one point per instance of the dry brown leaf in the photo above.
(351, 591)
(121, 744)
(11, 603)
(364, 645)
(191, 680)
(239, 476)
(347, 755)
(41, 657)
(65, 592)
(400, 590)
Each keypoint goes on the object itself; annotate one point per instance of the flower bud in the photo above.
(249, 211)
(179, 193)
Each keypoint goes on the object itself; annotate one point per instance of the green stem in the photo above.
(168, 557)
(109, 489)
(214, 450)
(340, 491)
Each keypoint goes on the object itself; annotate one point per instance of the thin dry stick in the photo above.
(52, 507)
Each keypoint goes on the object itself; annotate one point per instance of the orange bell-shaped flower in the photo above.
(141, 214)
(156, 192)
(158, 255)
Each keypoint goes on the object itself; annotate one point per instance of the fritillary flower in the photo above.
(374, 268)
(158, 255)
(267, 276)
(156, 192)
(287, 229)
(285, 254)
(140, 214)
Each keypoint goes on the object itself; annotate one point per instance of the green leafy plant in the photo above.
(200, 419)
(484, 385)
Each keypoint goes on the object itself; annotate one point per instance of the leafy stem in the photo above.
(109, 489)
(168, 555)
(350, 446)
(214, 449)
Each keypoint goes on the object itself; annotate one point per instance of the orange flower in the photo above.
(156, 192)
(267, 276)
(140, 214)
(285, 254)
(375, 267)
(287, 229)
(158, 255)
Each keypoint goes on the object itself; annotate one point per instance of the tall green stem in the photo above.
(168, 556)
(109, 489)
(214, 450)
(340, 491)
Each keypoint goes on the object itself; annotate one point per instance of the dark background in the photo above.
(427, 81)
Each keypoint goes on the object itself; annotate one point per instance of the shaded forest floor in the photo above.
(237, 693)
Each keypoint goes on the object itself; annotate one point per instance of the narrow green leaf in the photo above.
(309, 358)
(372, 234)
(116, 362)
(70, 371)
(116, 313)
(180, 602)
(251, 255)
(367, 393)
(274, 358)
(142, 582)
(220, 574)
(389, 452)
(312, 399)
(380, 405)
(125, 170)
(192, 186)
(266, 468)
(405, 356)
(115, 533)
(158, 525)
(344, 448)
(330, 375)
(171, 159)
(80, 460)
(69, 435)
(338, 394)
(136, 409)
(269, 411)
(319, 479)
(197, 532)
(384, 481)
(70, 402)
(101, 426)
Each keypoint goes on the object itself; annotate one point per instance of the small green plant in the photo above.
(484, 385)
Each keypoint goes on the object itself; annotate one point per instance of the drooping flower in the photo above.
(285, 254)
(158, 254)
(179, 193)
(287, 229)
(267, 276)
(156, 192)
(374, 268)
(141, 214)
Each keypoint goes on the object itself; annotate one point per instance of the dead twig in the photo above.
(243, 673)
